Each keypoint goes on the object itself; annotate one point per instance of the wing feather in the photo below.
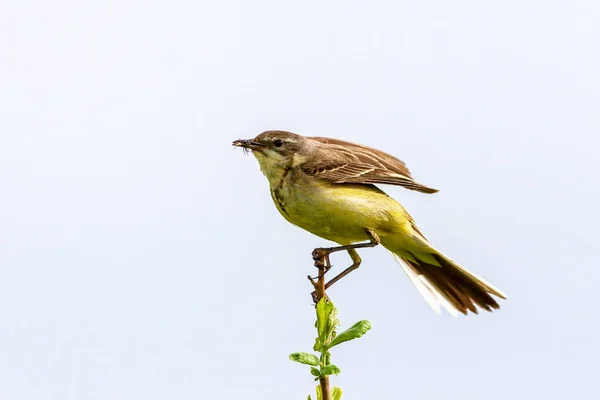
(345, 162)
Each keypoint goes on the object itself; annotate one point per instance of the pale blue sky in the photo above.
(142, 258)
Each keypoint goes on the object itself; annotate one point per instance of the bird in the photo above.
(328, 187)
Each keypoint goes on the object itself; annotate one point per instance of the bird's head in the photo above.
(276, 151)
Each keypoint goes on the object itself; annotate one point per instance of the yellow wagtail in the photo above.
(327, 187)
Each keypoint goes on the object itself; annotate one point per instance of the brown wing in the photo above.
(352, 163)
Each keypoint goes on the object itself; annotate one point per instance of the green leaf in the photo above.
(315, 371)
(330, 370)
(305, 358)
(308, 397)
(333, 323)
(319, 394)
(354, 332)
(336, 393)
(318, 345)
(324, 309)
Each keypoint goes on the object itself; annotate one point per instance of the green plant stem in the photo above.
(320, 290)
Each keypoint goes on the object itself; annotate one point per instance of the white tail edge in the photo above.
(433, 297)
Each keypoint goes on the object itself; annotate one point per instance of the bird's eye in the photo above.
(278, 142)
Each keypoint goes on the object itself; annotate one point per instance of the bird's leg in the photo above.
(355, 264)
(323, 253)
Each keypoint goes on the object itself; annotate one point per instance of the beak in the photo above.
(249, 144)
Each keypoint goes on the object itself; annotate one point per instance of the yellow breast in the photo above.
(337, 212)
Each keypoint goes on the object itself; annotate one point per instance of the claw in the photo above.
(319, 253)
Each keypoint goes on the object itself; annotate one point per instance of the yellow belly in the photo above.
(339, 212)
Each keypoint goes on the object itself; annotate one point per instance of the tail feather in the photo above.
(449, 285)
